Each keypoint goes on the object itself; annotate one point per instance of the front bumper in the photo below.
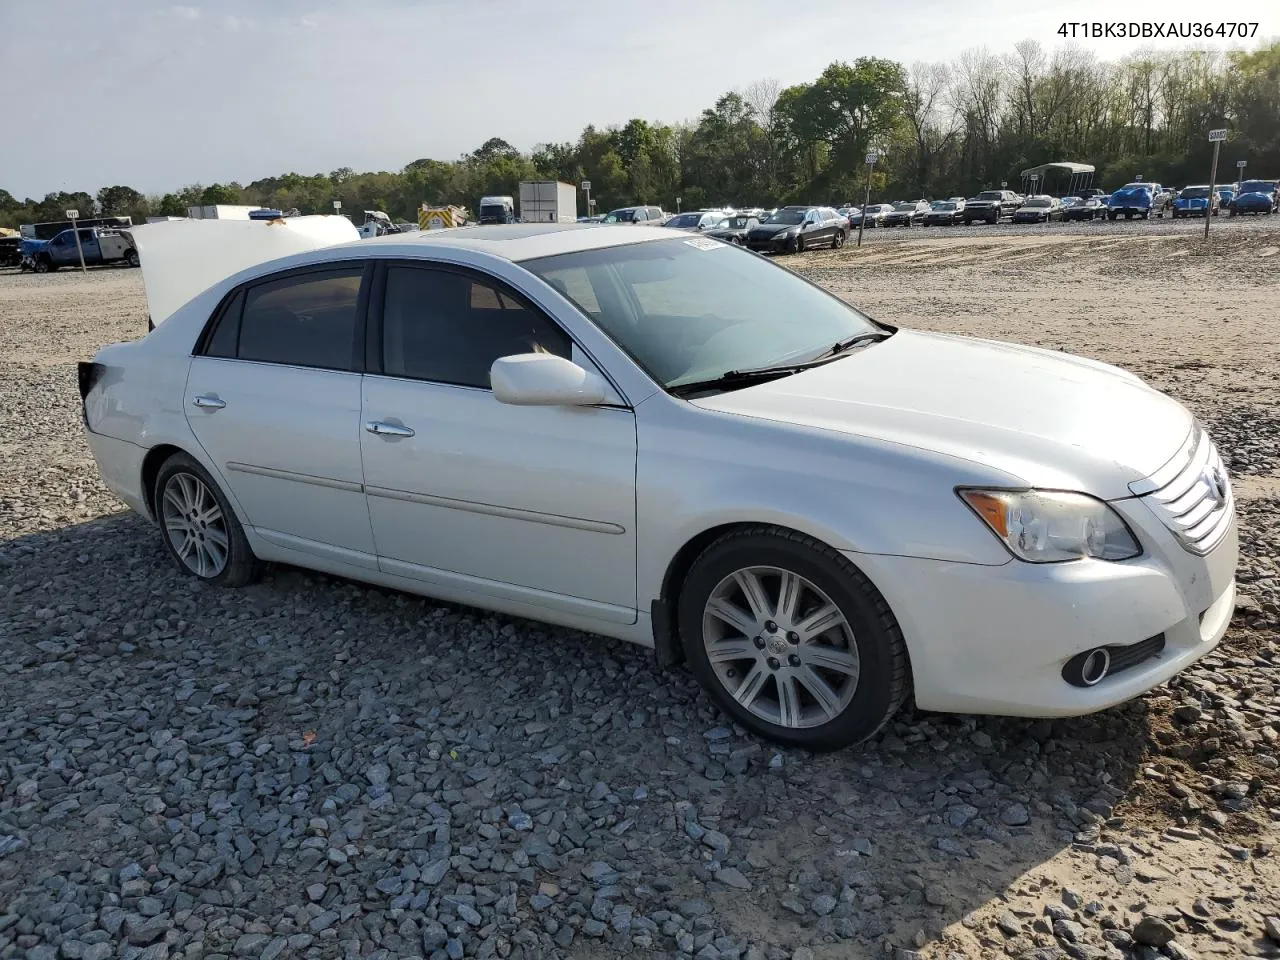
(994, 640)
(779, 243)
(1130, 211)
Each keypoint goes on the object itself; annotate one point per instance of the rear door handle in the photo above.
(388, 429)
(208, 403)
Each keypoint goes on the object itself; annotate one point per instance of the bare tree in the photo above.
(762, 96)
(933, 126)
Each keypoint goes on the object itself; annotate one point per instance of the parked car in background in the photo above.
(648, 216)
(1254, 196)
(1084, 193)
(906, 213)
(823, 515)
(1038, 209)
(873, 214)
(10, 250)
(1193, 201)
(734, 229)
(990, 205)
(1085, 208)
(98, 245)
(695, 221)
(797, 228)
(944, 213)
(1225, 196)
(1138, 199)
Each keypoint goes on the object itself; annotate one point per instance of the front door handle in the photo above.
(208, 403)
(388, 429)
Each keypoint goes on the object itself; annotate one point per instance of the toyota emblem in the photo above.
(1217, 483)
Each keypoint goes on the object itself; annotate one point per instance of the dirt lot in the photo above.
(316, 768)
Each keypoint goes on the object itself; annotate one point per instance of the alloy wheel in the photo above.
(194, 523)
(780, 647)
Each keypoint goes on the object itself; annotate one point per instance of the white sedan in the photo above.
(676, 442)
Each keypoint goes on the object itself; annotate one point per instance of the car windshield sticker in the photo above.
(703, 243)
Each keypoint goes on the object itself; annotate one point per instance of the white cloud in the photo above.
(185, 13)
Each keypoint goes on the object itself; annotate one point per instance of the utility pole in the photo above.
(872, 156)
(1215, 137)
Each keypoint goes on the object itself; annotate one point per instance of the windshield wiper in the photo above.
(842, 346)
(732, 379)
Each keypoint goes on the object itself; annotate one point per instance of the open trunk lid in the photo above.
(183, 258)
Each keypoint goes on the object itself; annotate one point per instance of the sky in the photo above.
(157, 95)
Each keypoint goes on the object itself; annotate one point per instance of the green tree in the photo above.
(218, 193)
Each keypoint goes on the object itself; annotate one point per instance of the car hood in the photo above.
(183, 258)
(769, 229)
(1136, 195)
(1054, 420)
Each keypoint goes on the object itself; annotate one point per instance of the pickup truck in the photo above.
(98, 244)
(991, 205)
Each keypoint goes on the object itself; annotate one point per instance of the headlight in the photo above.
(1049, 526)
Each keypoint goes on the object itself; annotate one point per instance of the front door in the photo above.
(274, 399)
(528, 504)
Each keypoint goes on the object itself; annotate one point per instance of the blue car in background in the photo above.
(1192, 201)
(1140, 199)
(1225, 196)
(1255, 196)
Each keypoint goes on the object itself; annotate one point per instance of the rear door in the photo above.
(273, 396)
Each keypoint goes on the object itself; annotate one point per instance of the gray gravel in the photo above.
(315, 768)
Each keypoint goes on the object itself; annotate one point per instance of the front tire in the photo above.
(837, 241)
(131, 258)
(791, 640)
(199, 529)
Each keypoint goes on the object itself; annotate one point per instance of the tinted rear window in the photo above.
(307, 320)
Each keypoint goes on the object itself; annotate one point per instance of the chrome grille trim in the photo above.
(1186, 499)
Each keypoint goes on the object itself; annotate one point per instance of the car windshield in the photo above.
(1039, 202)
(1257, 186)
(904, 206)
(943, 205)
(620, 216)
(735, 223)
(684, 220)
(786, 216)
(693, 309)
(1071, 201)
(1195, 193)
(990, 195)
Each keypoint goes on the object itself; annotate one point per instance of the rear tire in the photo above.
(833, 669)
(131, 258)
(199, 529)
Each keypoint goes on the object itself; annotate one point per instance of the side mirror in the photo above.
(543, 379)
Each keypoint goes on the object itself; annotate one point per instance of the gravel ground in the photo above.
(315, 768)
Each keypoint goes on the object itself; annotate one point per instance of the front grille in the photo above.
(1192, 495)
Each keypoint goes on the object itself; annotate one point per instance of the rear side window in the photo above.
(306, 320)
(222, 342)
(449, 327)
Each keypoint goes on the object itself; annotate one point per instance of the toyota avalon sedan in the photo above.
(676, 442)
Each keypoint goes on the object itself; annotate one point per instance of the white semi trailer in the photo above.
(548, 201)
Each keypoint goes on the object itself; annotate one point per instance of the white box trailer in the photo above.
(548, 201)
(221, 211)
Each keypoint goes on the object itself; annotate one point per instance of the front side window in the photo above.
(449, 327)
(305, 320)
(687, 310)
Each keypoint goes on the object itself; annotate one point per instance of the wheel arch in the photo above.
(668, 648)
(151, 465)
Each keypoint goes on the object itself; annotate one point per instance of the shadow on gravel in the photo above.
(346, 762)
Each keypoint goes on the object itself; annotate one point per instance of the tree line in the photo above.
(944, 129)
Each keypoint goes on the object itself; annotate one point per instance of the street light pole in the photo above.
(866, 199)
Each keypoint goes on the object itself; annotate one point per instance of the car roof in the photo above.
(512, 241)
